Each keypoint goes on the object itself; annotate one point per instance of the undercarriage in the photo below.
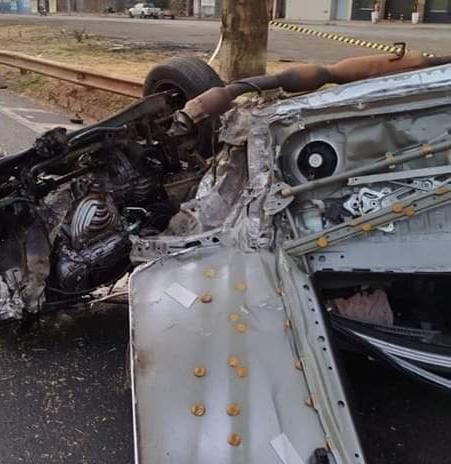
(267, 246)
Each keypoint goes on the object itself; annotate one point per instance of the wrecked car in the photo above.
(264, 237)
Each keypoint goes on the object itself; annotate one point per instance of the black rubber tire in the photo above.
(191, 77)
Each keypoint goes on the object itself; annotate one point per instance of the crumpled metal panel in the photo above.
(169, 341)
(399, 85)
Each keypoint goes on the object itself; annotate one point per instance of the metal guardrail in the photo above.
(128, 86)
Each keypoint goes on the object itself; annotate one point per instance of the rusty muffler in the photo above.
(300, 78)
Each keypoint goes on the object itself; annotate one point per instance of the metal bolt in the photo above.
(233, 410)
(210, 273)
(242, 372)
(322, 242)
(409, 211)
(200, 371)
(241, 327)
(198, 409)
(234, 439)
(206, 298)
(367, 227)
(234, 361)
(241, 287)
(397, 208)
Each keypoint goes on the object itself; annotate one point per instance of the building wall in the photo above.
(309, 9)
(208, 7)
(15, 6)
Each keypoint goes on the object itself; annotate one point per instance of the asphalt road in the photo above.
(203, 35)
(63, 387)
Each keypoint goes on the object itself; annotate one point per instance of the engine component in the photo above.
(99, 263)
(301, 78)
(93, 217)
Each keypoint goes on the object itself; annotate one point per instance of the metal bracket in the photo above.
(405, 209)
(399, 175)
(275, 203)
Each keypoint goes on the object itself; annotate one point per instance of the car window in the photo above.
(148, 5)
(138, 5)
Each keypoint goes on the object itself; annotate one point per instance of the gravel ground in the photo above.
(63, 391)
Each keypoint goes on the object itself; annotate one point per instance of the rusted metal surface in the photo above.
(127, 86)
(303, 78)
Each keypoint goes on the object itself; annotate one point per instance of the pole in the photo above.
(245, 39)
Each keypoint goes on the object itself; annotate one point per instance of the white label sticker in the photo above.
(285, 450)
(181, 294)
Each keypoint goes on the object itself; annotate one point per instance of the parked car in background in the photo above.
(167, 14)
(144, 10)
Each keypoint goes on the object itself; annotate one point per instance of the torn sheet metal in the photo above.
(313, 343)
(218, 382)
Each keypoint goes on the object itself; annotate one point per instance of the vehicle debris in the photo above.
(263, 243)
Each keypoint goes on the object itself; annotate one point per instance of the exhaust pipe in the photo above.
(300, 78)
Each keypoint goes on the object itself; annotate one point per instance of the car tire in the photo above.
(190, 77)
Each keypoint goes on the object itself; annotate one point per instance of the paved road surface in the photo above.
(203, 35)
(63, 397)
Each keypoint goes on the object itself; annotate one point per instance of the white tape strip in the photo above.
(181, 294)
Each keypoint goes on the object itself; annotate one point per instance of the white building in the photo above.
(319, 10)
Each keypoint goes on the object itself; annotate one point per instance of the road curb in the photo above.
(340, 38)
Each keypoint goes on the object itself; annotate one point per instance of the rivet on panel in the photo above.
(233, 409)
(367, 227)
(234, 317)
(322, 242)
(198, 409)
(241, 327)
(206, 298)
(233, 361)
(409, 211)
(200, 371)
(427, 149)
(242, 372)
(397, 208)
(210, 273)
(234, 439)
(240, 287)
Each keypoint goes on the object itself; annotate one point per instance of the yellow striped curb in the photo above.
(340, 38)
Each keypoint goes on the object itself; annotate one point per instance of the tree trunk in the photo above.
(245, 38)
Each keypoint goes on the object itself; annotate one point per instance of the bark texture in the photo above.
(245, 38)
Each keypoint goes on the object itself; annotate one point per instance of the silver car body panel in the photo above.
(308, 407)
(305, 407)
